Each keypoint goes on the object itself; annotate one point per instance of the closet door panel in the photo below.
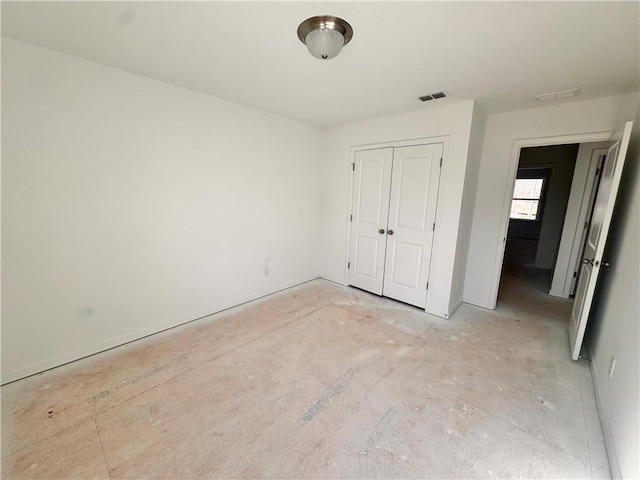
(372, 184)
(406, 259)
(413, 197)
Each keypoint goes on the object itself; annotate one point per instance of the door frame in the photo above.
(444, 139)
(574, 228)
(517, 146)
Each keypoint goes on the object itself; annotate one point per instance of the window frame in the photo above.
(540, 199)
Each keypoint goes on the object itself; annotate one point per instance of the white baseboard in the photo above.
(48, 364)
(478, 303)
(559, 294)
(455, 307)
(614, 465)
(338, 281)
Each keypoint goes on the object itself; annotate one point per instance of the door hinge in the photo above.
(575, 274)
(441, 162)
(586, 224)
(433, 229)
(427, 285)
(598, 171)
(353, 167)
(351, 218)
(349, 265)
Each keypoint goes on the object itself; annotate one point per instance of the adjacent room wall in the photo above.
(130, 206)
(614, 324)
(452, 121)
(503, 129)
(562, 160)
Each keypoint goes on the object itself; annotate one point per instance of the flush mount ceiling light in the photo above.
(324, 35)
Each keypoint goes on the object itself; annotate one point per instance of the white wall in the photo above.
(614, 330)
(600, 115)
(454, 121)
(130, 206)
(476, 140)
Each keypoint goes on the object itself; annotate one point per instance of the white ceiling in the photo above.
(500, 53)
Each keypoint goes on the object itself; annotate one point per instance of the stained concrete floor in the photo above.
(320, 381)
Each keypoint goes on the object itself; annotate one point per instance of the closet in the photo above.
(395, 194)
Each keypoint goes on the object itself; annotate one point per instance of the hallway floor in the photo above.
(320, 381)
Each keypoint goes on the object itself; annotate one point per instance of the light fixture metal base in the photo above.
(325, 21)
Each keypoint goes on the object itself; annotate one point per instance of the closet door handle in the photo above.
(381, 231)
(390, 232)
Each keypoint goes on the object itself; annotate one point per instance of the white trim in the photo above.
(40, 367)
(610, 447)
(518, 145)
(476, 302)
(456, 306)
(337, 281)
(573, 230)
(444, 140)
(437, 237)
(352, 161)
(399, 143)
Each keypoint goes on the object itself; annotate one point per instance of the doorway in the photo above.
(592, 260)
(539, 203)
(552, 202)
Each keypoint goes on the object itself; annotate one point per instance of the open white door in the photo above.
(589, 198)
(597, 236)
(372, 184)
(412, 212)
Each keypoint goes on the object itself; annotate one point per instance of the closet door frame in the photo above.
(444, 140)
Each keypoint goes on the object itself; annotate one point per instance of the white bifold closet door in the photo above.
(372, 185)
(394, 207)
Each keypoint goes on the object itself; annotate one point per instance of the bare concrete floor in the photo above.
(320, 381)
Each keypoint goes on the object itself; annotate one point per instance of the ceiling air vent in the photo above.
(433, 96)
(545, 97)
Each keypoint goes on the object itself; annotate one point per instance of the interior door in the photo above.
(589, 197)
(372, 184)
(412, 211)
(597, 236)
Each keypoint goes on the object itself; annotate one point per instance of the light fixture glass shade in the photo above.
(324, 43)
